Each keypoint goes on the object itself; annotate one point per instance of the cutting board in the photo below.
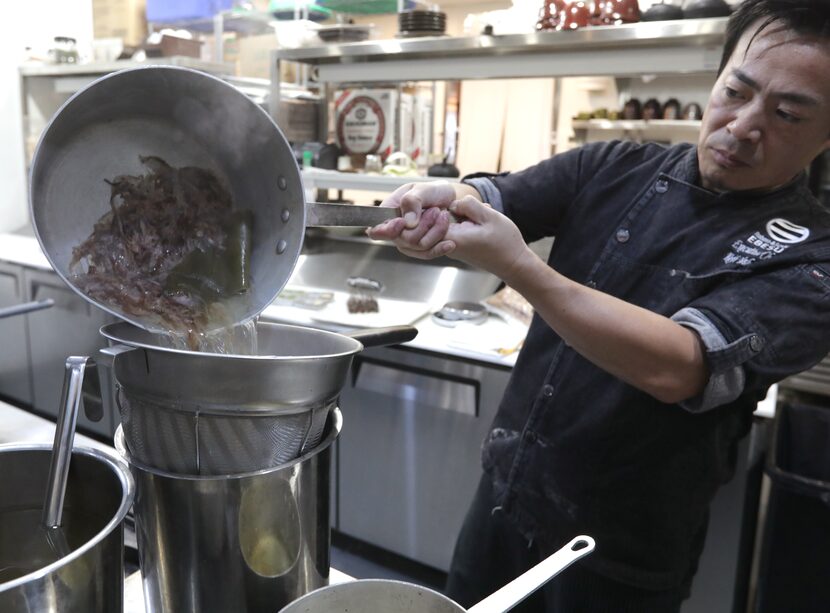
(390, 313)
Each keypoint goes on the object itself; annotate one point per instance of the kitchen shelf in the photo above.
(629, 125)
(331, 179)
(248, 23)
(101, 68)
(669, 47)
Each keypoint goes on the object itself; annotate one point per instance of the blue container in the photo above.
(172, 11)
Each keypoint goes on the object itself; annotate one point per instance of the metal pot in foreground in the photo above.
(401, 597)
(33, 577)
(246, 543)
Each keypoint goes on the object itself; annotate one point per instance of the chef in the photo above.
(682, 283)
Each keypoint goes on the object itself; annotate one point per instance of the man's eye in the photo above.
(787, 116)
(731, 93)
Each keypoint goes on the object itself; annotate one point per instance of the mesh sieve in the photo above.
(197, 440)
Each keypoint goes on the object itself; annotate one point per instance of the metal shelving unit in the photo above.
(638, 125)
(45, 87)
(102, 68)
(690, 46)
(670, 47)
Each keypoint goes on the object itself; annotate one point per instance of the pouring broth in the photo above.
(174, 253)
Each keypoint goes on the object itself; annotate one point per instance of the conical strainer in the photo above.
(198, 413)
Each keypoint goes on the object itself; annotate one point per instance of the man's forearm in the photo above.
(463, 189)
(644, 349)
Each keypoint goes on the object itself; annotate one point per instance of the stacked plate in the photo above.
(344, 33)
(421, 23)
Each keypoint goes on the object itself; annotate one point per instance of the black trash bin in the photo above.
(794, 571)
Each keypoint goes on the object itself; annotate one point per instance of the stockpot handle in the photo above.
(525, 584)
(379, 337)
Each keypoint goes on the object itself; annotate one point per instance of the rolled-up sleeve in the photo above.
(488, 190)
(759, 330)
(726, 373)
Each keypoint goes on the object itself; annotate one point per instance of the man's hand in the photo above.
(420, 230)
(485, 238)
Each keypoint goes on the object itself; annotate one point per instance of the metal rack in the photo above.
(45, 87)
(691, 46)
(686, 46)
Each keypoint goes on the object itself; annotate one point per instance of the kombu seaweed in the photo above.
(172, 252)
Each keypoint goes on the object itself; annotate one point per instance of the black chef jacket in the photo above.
(574, 449)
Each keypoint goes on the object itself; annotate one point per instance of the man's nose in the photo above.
(747, 124)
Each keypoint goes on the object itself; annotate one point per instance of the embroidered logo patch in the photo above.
(787, 232)
(780, 235)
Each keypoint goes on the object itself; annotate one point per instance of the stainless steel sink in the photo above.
(331, 256)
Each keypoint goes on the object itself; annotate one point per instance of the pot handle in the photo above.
(379, 337)
(106, 362)
(26, 307)
(531, 580)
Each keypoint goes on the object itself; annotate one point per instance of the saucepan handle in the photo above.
(379, 337)
(525, 584)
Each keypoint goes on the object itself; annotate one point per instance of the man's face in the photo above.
(769, 113)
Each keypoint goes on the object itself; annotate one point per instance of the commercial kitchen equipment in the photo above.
(249, 542)
(402, 597)
(191, 119)
(99, 495)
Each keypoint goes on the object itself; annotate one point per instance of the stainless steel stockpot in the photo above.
(99, 494)
(245, 543)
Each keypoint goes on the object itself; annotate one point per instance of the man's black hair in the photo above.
(804, 17)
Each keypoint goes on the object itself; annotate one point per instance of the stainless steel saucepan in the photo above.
(383, 595)
(188, 118)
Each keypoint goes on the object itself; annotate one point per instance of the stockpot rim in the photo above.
(117, 466)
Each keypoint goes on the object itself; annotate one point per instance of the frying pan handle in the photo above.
(347, 215)
(321, 214)
(525, 584)
(379, 337)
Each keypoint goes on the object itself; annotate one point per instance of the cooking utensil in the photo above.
(198, 413)
(662, 12)
(401, 597)
(190, 119)
(62, 453)
(459, 311)
(695, 9)
(99, 494)
(234, 543)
